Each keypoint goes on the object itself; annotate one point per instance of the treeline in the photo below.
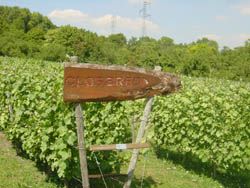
(26, 34)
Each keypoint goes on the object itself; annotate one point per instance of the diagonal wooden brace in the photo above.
(139, 138)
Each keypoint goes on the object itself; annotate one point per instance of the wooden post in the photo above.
(140, 135)
(81, 141)
(149, 83)
(81, 145)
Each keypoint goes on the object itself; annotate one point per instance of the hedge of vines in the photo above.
(33, 114)
(210, 120)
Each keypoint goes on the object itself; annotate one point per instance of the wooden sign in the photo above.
(90, 82)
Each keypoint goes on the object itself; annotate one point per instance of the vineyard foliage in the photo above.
(33, 114)
(209, 119)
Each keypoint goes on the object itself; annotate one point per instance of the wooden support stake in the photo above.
(81, 141)
(81, 145)
(140, 135)
(99, 176)
(118, 147)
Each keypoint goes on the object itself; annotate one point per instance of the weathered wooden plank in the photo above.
(119, 146)
(90, 82)
(99, 176)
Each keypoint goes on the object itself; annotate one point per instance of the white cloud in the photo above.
(211, 37)
(68, 15)
(244, 9)
(102, 21)
(102, 24)
(221, 18)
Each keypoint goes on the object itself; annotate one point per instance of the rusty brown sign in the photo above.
(90, 82)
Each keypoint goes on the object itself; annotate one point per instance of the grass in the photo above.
(168, 175)
(229, 179)
(17, 172)
(160, 173)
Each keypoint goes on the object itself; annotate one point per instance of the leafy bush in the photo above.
(208, 119)
(33, 114)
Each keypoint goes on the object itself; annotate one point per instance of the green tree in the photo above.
(203, 58)
(53, 52)
(118, 39)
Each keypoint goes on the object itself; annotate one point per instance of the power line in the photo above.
(145, 15)
(113, 24)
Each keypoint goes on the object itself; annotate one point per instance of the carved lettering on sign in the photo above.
(105, 82)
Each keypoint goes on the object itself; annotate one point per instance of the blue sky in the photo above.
(226, 21)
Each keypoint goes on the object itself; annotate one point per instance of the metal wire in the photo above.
(144, 169)
(120, 182)
(98, 164)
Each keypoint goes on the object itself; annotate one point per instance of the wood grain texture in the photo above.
(119, 146)
(90, 82)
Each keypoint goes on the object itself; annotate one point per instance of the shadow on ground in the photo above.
(192, 163)
(188, 161)
(148, 182)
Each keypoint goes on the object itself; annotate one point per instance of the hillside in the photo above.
(16, 172)
(205, 127)
(32, 35)
(199, 136)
